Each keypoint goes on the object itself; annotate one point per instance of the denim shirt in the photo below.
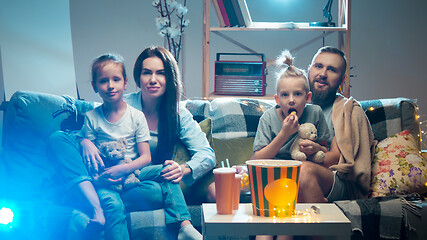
(202, 155)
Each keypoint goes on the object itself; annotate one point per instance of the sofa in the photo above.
(27, 174)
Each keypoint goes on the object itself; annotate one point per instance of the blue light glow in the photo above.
(6, 216)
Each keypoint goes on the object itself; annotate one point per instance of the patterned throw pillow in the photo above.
(398, 167)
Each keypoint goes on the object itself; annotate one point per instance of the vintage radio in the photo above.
(246, 78)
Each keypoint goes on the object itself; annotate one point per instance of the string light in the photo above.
(423, 127)
(308, 213)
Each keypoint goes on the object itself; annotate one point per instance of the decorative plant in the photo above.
(171, 23)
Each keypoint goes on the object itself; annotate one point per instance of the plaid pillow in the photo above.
(391, 116)
(196, 108)
(231, 117)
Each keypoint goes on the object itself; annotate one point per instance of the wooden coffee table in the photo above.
(329, 222)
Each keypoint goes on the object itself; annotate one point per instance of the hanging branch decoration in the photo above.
(171, 23)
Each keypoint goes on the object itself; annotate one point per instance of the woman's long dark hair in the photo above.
(168, 126)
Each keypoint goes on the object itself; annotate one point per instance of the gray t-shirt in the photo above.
(327, 112)
(270, 124)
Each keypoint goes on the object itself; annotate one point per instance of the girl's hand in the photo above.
(241, 169)
(104, 180)
(290, 124)
(173, 172)
(116, 172)
(91, 156)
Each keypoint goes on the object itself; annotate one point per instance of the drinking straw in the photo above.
(222, 163)
(228, 163)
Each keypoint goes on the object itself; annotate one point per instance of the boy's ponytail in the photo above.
(286, 68)
(285, 60)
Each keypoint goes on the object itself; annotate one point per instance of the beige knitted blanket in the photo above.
(355, 140)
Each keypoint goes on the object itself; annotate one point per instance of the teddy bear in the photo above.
(114, 153)
(306, 131)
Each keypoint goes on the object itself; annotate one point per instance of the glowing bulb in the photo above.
(281, 192)
(6, 216)
(371, 109)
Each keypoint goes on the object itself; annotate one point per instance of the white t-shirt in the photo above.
(132, 126)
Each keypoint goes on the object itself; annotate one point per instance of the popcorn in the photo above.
(245, 181)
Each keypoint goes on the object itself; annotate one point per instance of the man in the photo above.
(346, 170)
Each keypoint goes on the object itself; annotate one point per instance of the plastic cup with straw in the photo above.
(224, 187)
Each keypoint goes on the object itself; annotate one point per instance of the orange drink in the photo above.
(236, 191)
(224, 182)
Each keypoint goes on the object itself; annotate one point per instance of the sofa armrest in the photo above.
(28, 121)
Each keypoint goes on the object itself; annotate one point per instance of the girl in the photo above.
(115, 119)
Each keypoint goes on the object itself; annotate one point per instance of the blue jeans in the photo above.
(175, 206)
(65, 152)
(115, 214)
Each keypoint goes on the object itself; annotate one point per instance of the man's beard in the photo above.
(323, 98)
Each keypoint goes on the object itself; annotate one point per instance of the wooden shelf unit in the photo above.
(343, 30)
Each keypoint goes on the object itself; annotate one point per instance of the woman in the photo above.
(157, 74)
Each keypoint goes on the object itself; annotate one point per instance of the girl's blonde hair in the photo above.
(287, 69)
(100, 62)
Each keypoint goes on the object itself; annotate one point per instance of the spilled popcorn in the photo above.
(245, 181)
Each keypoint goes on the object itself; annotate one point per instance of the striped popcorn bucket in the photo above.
(274, 186)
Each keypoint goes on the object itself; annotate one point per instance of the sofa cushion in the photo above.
(390, 116)
(236, 150)
(147, 225)
(398, 167)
